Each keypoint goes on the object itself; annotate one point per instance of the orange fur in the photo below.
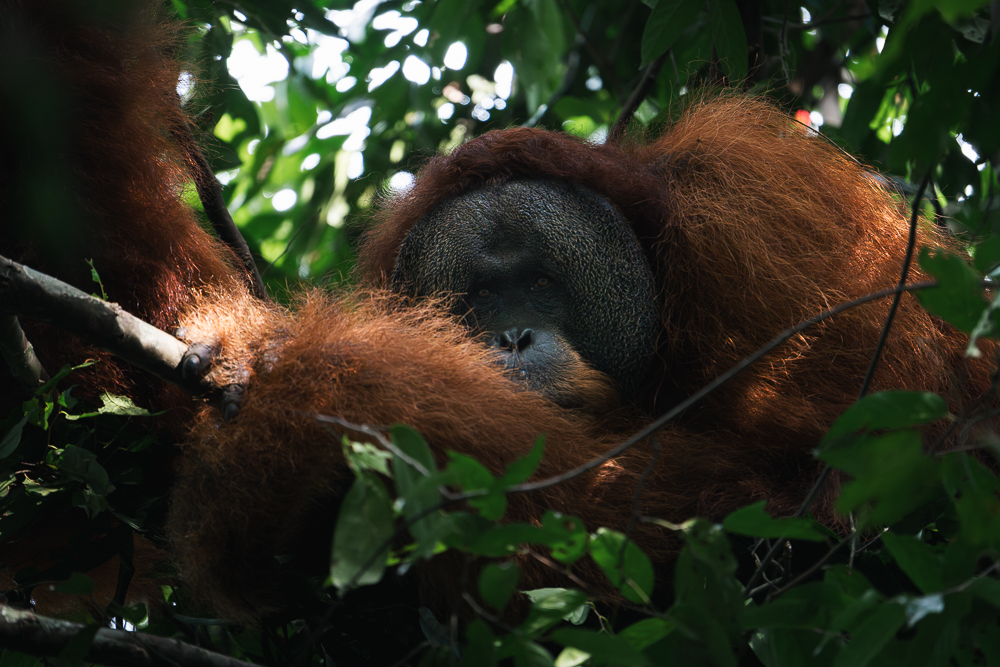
(113, 175)
(750, 222)
(753, 224)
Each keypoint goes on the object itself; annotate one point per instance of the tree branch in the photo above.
(20, 355)
(24, 291)
(210, 193)
(22, 630)
(636, 98)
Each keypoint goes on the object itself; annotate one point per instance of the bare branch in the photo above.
(210, 193)
(911, 244)
(20, 355)
(24, 291)
(636, 98)
(22, 630)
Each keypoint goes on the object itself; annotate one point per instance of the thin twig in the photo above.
(812, 25)
(911, 243)
(582, 27)
(210, 193)
(873, 364)
(698, 396)
(641, 435)
(635, 99)
(377, 435)
(636, 498)
(809, 571)
(783, 44)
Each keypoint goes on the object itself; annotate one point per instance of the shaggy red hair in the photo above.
(750, 222)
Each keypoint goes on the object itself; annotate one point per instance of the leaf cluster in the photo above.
(907, 88)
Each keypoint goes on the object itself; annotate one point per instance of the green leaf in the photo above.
(917, 608)
(121, 405)
(848, 581)
(521, 469)
(876, 630)
(951, 10)
(504, 540)
(363, 456)
(754, 520)
(417, 488)
(58, 377)
(497, 583)
(551, 605)
(468, 473)
(986, 589)
(777, 647)
(647, 632)
(524, 652)
(958, 299)
(467, 528)
(565, 535)
(364, 525)
(729, 37)
(700, 624)
(72, 654)
(77, 584)
(413, 445)
(603, 648)
(985, 327)
(987, 640)
(112, 404)
(917, 559)
(13, 437)
(471, 475)
(807, 606)
(888, 410)
(986, 255)
(92, 503)
(81, 464)
(599, 111)
(890, 470)
(479, 646)
(624, 564)
(570, 656)
(974, 491)
(668, 21)
(10, 658)
(66, 399)
(709, 547)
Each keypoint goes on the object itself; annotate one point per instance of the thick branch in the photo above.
(23, 631)
(24, 291)
(20, 355)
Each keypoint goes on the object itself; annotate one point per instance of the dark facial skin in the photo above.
(522, 313)
(548, 274)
